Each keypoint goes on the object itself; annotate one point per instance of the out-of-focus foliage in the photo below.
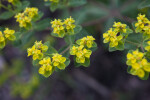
(91, 17)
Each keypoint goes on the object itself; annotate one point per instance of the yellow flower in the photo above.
(119, 27)
(46, 68)
(86, 41)
(9, 34)
(31, 12)
(37, 50)
(139, 65)
(111, 36)
(148, 47)
(58, 61)
(58, 27)
(142, 25)
(69, 23)
(26, 17)
(80, 53)
(37, 54)
(2, 40)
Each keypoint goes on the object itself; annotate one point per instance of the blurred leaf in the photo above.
(83, 33)
(35, 62)
(50, 48)
(120, 46)
(43, 24)
(53, 6)
(77, 2)
(77, 29)
(6, 15)
(111, 49)
(23, 5)
(144, 4)
(146, 76)
(69, 39)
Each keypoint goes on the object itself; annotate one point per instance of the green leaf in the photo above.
(35, 62)
(144, 4)
(43, 24)
(67, 62)
(111, 49)
(53, 6)
(69, 39)
(23, 5)
(128, 69)
(77, 29)
(129, 30)
(83, 33)
(38, 17)
(120, 46)
(76, 2)
(146, 76)
(6, 15)
(50, 48)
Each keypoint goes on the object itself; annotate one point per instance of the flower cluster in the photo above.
(139, 64)
(54, 1)
(62, 28)
(148, 46)
(81, 50)
(142, 25)
(86, 41)
(37, 50)
(116, 34)
(48, 65)
(26, 17)
(6, 34)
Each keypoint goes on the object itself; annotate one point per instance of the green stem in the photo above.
(65, 50)
(3, 6)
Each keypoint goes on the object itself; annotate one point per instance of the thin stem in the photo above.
(142, 49)
(3, 6)
(65, 50)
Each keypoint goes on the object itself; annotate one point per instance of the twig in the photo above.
(89, 81)
(65, 50)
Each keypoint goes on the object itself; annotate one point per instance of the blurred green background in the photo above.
(105, 79)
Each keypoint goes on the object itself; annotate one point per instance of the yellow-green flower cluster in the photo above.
(139, 64)
(26, 17)
(37, 50)
(54, 1)
(86, 41)
(49, 65)
(142, 25)
(62, 28)
(148, 46)
(116, 34)
(81, 51)
(6, 34)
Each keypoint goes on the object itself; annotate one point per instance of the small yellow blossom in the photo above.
(111, 36)
(9, 34)
(58, 27)
(119, 27)
(148, 47)
(139, 65)
(86, 41)
(2, 40)
(37, 50)
(142, 25)
(46, 68)
(69, 22)
(81, 53)
(26, 17)
(58, 61)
